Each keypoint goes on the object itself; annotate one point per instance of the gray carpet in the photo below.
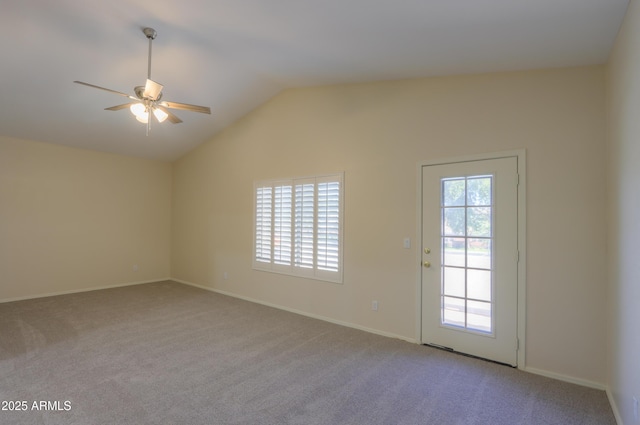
(167, 353)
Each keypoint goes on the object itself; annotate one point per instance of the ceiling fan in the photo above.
(148, 98)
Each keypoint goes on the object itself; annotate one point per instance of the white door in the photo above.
(470, 257)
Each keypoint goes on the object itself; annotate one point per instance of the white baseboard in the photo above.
(300, 312)
(75, 291)
(614, 407)
(566, 378)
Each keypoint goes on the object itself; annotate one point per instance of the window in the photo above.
(467, 262)
(298, 227)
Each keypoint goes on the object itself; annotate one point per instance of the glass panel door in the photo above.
(469, 257)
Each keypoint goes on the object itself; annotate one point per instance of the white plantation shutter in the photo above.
(328, 230)
(282, 225)
(304, 227)
(298, 227)
(263, 225)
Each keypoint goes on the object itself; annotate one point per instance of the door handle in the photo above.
(427, 264)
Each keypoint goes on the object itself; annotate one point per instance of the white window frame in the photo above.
(303, 261)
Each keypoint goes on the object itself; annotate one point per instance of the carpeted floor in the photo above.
(167, 353)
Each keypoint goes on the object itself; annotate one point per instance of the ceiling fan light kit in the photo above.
(142, 113)
(147, 99)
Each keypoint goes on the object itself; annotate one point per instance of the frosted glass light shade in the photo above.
(140, 112)
(160, 114)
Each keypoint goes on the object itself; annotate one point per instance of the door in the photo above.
(470, 257)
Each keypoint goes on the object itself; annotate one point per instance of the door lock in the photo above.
(427, 264)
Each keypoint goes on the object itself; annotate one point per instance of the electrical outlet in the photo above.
(135, 268)
(635, 408)
(374, 305)
(225, 275)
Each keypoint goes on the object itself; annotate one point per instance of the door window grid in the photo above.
(467, 253)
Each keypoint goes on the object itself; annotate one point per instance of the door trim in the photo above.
(520, 154)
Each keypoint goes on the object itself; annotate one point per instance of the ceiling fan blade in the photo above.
(118, 107)
(170, 116)
(109, 90)
(186, 107)
(152, 89)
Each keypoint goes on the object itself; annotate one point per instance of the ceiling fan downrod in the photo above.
(151, 35)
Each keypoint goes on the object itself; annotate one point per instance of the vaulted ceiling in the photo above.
(233, 55)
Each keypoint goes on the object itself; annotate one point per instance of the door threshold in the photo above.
(451, 350)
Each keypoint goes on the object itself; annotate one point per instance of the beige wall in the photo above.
(73, 220)
(377, 133)
(623, 108)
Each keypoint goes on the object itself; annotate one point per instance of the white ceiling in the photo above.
(233, 55)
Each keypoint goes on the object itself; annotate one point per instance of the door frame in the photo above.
(520, 154)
